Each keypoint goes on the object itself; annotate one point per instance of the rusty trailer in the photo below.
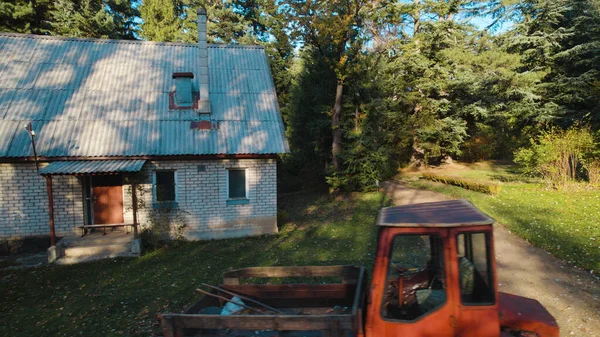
(311, 309)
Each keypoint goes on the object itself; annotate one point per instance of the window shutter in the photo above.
(184, 96)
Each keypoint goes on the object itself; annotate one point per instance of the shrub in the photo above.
(593, 171)
(487, 142)
(558, 155)
(466, 184)
(166, 225)
(441, 138)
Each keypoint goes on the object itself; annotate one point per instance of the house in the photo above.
(190, 130)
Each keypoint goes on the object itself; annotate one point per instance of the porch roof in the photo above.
(83, 167)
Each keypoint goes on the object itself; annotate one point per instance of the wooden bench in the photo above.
(85, 228)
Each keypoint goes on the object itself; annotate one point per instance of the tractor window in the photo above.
(415, 282)
(476, 275)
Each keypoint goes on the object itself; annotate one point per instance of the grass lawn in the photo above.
(122, 296)
(565, 223)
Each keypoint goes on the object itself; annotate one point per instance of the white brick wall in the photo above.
(202, 197)
(24, 202)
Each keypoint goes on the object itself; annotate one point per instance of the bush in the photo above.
(593, 171)
(559, 155)
(166, 225)
(487, 142)
(441, 138)
(466, 184)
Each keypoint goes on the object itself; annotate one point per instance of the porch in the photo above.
(104, 232)
(117, 242)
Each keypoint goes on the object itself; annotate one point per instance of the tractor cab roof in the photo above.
(451, 213)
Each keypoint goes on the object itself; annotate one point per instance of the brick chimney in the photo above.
(204, 102)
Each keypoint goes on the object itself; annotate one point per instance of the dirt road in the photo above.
(571, 295)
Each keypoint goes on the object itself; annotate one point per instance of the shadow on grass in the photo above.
(119, 297)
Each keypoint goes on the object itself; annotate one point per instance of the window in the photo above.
(164, 186)
(184, 96)
(237, 188)
(475, 270)
(415, 281)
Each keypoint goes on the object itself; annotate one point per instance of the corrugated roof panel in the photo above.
(106, 98)
(100, 138)
(28, 105)
(18, 75)
(92, 167)
(47, 50)
(56, 104)
(56, 76)
(7, 132)
(73, 105)
(6, 97)
(3, 40)
(18, 49)
(21, 140)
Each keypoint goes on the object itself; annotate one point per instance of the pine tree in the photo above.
(161, 20)
(24, 16)
(562, 38)
(93, 18)
(333, 29)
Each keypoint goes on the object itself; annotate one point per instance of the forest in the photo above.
(366, 87)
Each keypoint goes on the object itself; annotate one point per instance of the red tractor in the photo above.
(434, 276)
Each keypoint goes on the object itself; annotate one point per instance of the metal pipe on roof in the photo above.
(29, 129)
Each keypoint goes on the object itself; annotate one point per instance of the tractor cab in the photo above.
(435, 273)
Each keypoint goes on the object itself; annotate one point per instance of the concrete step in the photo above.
(96, 239)
(106, 250)
(66, 260)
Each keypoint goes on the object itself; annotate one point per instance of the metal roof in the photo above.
(95, 97)
(92, 167)
(451, 213)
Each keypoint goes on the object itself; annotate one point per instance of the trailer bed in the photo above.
(310, 309)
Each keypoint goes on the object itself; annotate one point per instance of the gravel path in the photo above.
(571, 295)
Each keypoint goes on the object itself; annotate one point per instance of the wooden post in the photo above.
(50, 209)
(134, 201)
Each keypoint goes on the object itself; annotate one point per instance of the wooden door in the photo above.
(107, 196)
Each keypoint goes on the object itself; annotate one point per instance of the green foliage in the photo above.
(562, 38)
(24, 16)
(166, 226)
(488, 188)
(162, 20)
(563, 222)
(78, 18)
(557, 155)
(307, 119)
(442, 137)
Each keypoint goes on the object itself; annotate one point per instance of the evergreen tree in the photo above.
(333, 29)
(93, 18)
(562, 38)
(162, 20)
(24, 16)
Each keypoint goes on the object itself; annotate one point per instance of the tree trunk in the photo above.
(356, 116)
(416, 15)
(336, 130)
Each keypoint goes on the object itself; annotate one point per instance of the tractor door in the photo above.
(411, 281)
(476, 265)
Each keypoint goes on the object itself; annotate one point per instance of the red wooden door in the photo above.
(107, 193)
